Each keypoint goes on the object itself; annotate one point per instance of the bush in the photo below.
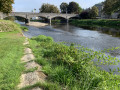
(96, 22)
(10, 18)
(71, 68)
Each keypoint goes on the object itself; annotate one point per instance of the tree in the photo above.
(116, 5)
(111, 6)
(108, 6)
(6, 6)
(94, 12)
(74, 7)
(85, 15)
(48, 8)
(63, 7)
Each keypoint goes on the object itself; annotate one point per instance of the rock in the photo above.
(30, 79)
(28, 57)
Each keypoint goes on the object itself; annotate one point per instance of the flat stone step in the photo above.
(27, 51)
(28, 57)
(42, 75)
(30, 79)
(36, 88)
(26, 42)
(33, 64)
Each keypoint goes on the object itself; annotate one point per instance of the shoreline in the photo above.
(37, 24)
(98, 22)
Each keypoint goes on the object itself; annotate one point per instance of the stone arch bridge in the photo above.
(49, 16)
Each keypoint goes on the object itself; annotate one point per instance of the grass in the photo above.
(9, 26)
(100, 22)
(73, 69)
(11, 51)
(24, 28)
(44, 86)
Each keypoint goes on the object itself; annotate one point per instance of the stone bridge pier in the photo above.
(27, 19)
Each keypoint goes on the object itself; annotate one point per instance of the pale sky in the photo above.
(29, 5)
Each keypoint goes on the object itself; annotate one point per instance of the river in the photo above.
(95, 38)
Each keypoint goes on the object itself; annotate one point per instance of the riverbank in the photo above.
(11, 51)
(72, 69)
(100, 22)
(37, 24)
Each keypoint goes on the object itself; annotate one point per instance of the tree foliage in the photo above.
(94, 12)
(116, 5)
(63, 7)
(6, 6)
(84, 15)
(111, 6)
(48, 8)
(74, 7)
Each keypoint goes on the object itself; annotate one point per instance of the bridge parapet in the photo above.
(49, 16)
(46, 15)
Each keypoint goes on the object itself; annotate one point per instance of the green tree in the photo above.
(63, 7)
(48, 8)
(109, 6)
(74, 7)
(6, 6)
(116, 5)
(94, 12)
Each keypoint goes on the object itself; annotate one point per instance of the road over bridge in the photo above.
(49, 16)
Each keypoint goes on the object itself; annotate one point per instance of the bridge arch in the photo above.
(59, 19)
(40, 18)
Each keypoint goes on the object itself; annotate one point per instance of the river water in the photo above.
(95, 38)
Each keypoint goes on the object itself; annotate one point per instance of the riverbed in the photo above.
(95, 38)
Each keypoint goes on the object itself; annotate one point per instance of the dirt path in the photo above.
(31, 78)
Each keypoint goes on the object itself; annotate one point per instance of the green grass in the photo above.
(73, 69)
(24, 28)
(100, 22)
(11, 51)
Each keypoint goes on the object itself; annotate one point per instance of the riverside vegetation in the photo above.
(69, 68)
(11, 51)
(100, 22)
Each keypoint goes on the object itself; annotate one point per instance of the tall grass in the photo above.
(11, 51)
(9, 26)
(71, 68)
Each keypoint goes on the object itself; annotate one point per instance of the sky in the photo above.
(29, 5)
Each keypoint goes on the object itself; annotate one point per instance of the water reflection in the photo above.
(115, 32)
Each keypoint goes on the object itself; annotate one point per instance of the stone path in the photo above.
(31, 78)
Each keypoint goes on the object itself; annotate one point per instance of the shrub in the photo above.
(71, 68)
(11, 18)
